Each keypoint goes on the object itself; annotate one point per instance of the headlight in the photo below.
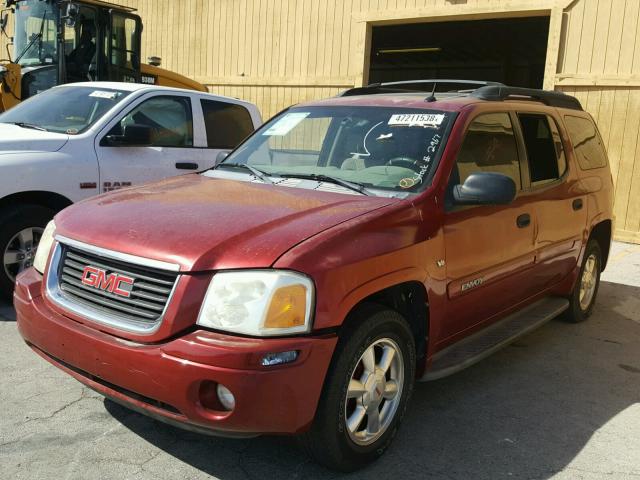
(258, 302)
(42, 254)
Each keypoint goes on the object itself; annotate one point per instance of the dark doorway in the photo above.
(511, 51)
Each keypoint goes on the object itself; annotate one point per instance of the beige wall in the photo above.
(279, 52)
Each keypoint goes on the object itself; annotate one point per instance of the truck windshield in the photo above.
(35, 32)
(370, 147)
(68, 109)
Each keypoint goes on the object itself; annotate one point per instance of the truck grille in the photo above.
(141, 301)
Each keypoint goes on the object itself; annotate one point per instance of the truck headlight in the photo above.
(44, 247)
(258, 302)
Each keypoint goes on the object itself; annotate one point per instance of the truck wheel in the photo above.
(366, 391)
(20, 230)
(584, 293)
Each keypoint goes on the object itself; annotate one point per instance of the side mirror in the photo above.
(134, 136)
(221, 156)
(485, 188)
(71, 14)
(154, 61)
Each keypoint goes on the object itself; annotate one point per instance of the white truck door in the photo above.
(177, 143)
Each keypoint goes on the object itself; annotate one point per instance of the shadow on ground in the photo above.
(525, 412)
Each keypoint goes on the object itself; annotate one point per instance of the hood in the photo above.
(203, 223)
(15, 139)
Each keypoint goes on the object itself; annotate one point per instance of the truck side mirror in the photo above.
(71, 14)
(221, 156)
(134, 135)
(485, 188)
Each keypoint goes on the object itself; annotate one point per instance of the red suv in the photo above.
(349, 247)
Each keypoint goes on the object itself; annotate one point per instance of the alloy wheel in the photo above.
(374, 392)
(21, 251)
(588, 281)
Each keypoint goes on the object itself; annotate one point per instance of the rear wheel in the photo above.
(21, 228)
(584, 294)
(366, 392)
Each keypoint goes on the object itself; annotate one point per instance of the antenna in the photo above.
(432, 97)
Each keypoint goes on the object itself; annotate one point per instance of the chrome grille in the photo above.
(142, 310)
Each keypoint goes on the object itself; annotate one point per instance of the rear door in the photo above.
(560, 204)
(489, 249)
(226, 124)
(178, 143)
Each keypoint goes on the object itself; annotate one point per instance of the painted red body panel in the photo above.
(351, 246)
(278, 400)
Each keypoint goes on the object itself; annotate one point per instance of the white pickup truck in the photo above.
(78, 140)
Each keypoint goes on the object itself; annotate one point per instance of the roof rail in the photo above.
(548, 97)
(422, 86)
(484, 90)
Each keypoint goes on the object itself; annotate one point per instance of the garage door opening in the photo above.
(510, 51)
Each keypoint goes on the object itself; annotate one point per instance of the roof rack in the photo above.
(484, 90)
(405, 86)
(548, 97)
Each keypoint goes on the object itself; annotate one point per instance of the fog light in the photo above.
(271, 359)
(226, 398)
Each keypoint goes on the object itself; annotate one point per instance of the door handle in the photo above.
(523, 220)
(186, 166)
(577, 204)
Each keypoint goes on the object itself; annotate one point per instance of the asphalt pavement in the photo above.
(561, 403)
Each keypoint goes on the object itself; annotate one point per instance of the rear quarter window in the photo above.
(586, 142)
(227, 124)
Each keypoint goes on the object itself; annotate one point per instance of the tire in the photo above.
(14, 220)
(584, 293)
(330, 441)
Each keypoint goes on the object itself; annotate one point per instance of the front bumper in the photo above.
(164, 380)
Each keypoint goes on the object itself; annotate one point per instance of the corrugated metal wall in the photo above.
(599, 63)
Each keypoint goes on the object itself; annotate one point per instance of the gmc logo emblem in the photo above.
(112, 283)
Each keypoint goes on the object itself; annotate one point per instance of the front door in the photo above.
(489, 249)
(176, 146)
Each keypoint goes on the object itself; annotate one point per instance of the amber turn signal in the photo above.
(288, 307)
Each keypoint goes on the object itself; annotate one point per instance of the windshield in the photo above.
(35, 32)
(393, 149)
(68, 110)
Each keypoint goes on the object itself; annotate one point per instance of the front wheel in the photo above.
(366, 391)
(20, 230)
(584, 294)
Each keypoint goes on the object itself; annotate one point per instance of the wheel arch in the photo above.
(52, 200)
(410, 299)
(601, 232)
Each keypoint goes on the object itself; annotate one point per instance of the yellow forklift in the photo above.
(65, 41)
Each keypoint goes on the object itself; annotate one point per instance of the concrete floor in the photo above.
(561, 403)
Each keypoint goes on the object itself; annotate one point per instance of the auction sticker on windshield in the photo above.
(104, 94)
(416, 120)
(286, 124)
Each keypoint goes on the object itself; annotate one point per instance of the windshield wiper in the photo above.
(37, 37)
(358, 187)
(258, 173)
(29, 125)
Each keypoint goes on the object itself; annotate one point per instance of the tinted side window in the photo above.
(586, 142)
(544, 148)
(227, 123)
(489, 146)
(170, 120)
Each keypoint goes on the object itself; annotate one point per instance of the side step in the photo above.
(491, 339)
